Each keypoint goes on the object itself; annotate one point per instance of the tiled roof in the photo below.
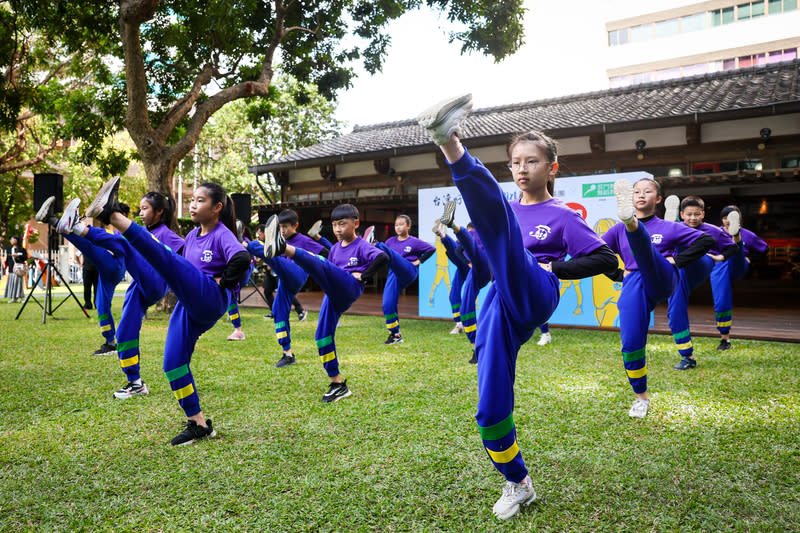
(657, 104)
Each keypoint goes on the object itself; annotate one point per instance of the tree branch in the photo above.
(43, 151)
(137, 119)
(180, 108)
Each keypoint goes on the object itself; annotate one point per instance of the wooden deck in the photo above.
(748, 323)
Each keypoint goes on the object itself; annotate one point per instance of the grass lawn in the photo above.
(720, 449)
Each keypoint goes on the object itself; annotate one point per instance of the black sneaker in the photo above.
(131, 389)
(268, 316)
(394, 338)
(685, 364)
(336, 392)
(474, 359)
(274, 242)
(449, 215)
(302, 315)
(193, 432)
(106, 202)
(106, 349)
(284, 361)
(724, 345)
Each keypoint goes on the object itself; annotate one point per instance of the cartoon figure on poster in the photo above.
(591, 196)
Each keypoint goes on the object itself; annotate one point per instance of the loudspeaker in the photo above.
(263, 215)
(47, 185)
(241, 202)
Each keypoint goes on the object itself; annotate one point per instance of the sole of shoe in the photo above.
(369, 235)
(209, 436)
(44, 210)
(125, 395)
(70, 216)
(345, 395)
(449, 214)
(314, 230)
(734, 223)
(672, 206)
(623, 192)
(96, 207)
(270, 236)
(443, 117)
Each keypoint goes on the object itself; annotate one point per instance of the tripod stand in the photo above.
(49, 271)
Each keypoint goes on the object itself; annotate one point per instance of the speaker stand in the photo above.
(49, 271)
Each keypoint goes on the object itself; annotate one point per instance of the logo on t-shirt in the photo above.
(656, 238)
(541, 233)
(407, 250)
(353, 262)
(207, 256)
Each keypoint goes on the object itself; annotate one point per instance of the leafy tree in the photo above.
(246, 131)
(53, 98)
(185, 59)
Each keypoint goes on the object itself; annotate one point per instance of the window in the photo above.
(789, 5)
(693, 23)
(760, 59)
(613, 38)
(790, 54)
(667, 28)
(303, 197)
(728, 64)
(790, 162)
(644, 77)
(619, 81)
(722, 16)
(694, 70)
(745, 61)
(758, 9)
(776, 7)
(744, 11)
(642, 33)
(338, 195)
(668, 74)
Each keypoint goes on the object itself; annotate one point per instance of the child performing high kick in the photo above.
(526, 268)
(203, 280)
(351, 261)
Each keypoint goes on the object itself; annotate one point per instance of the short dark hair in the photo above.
(288, 216)
(344, 211)
(124, 208)
(692, 201)
(406, 218)
(261, 227)
(727, 211)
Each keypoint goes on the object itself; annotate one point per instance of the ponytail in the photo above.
(163, 203)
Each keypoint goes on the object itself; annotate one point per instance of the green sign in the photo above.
(598, 190)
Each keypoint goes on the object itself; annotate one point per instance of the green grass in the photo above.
(719, 450)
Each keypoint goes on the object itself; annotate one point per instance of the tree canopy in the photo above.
(182, 60)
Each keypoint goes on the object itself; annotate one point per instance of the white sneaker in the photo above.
(623, 191)
(514, 495)
(545, 339)
(458, 329)
(44, 210)
(445, 118)
(672, 206)
(70, 218)
(734, 224)
(369, 235)
(639, 408)
(314, 230)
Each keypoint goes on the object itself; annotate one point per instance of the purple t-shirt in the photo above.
(666, 238)
(410, 248)
(298, 240)
(355, 257)
(551, 230)
(211, 252)
(752, 242)
(721, 238)
(166, 236)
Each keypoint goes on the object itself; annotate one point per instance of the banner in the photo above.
(586, 302)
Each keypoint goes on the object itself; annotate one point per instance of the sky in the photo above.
(563, 54)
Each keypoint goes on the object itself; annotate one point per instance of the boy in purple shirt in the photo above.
(291, 278)
(648, 246)
(731, 270)
(692, 212)
(405, 253)
(350, 262)
(526, 287)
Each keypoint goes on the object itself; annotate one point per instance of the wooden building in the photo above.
(731, 137)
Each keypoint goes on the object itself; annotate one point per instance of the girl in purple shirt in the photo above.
(405, 253)
(648, 247)
(522, 243)
(203, 279)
